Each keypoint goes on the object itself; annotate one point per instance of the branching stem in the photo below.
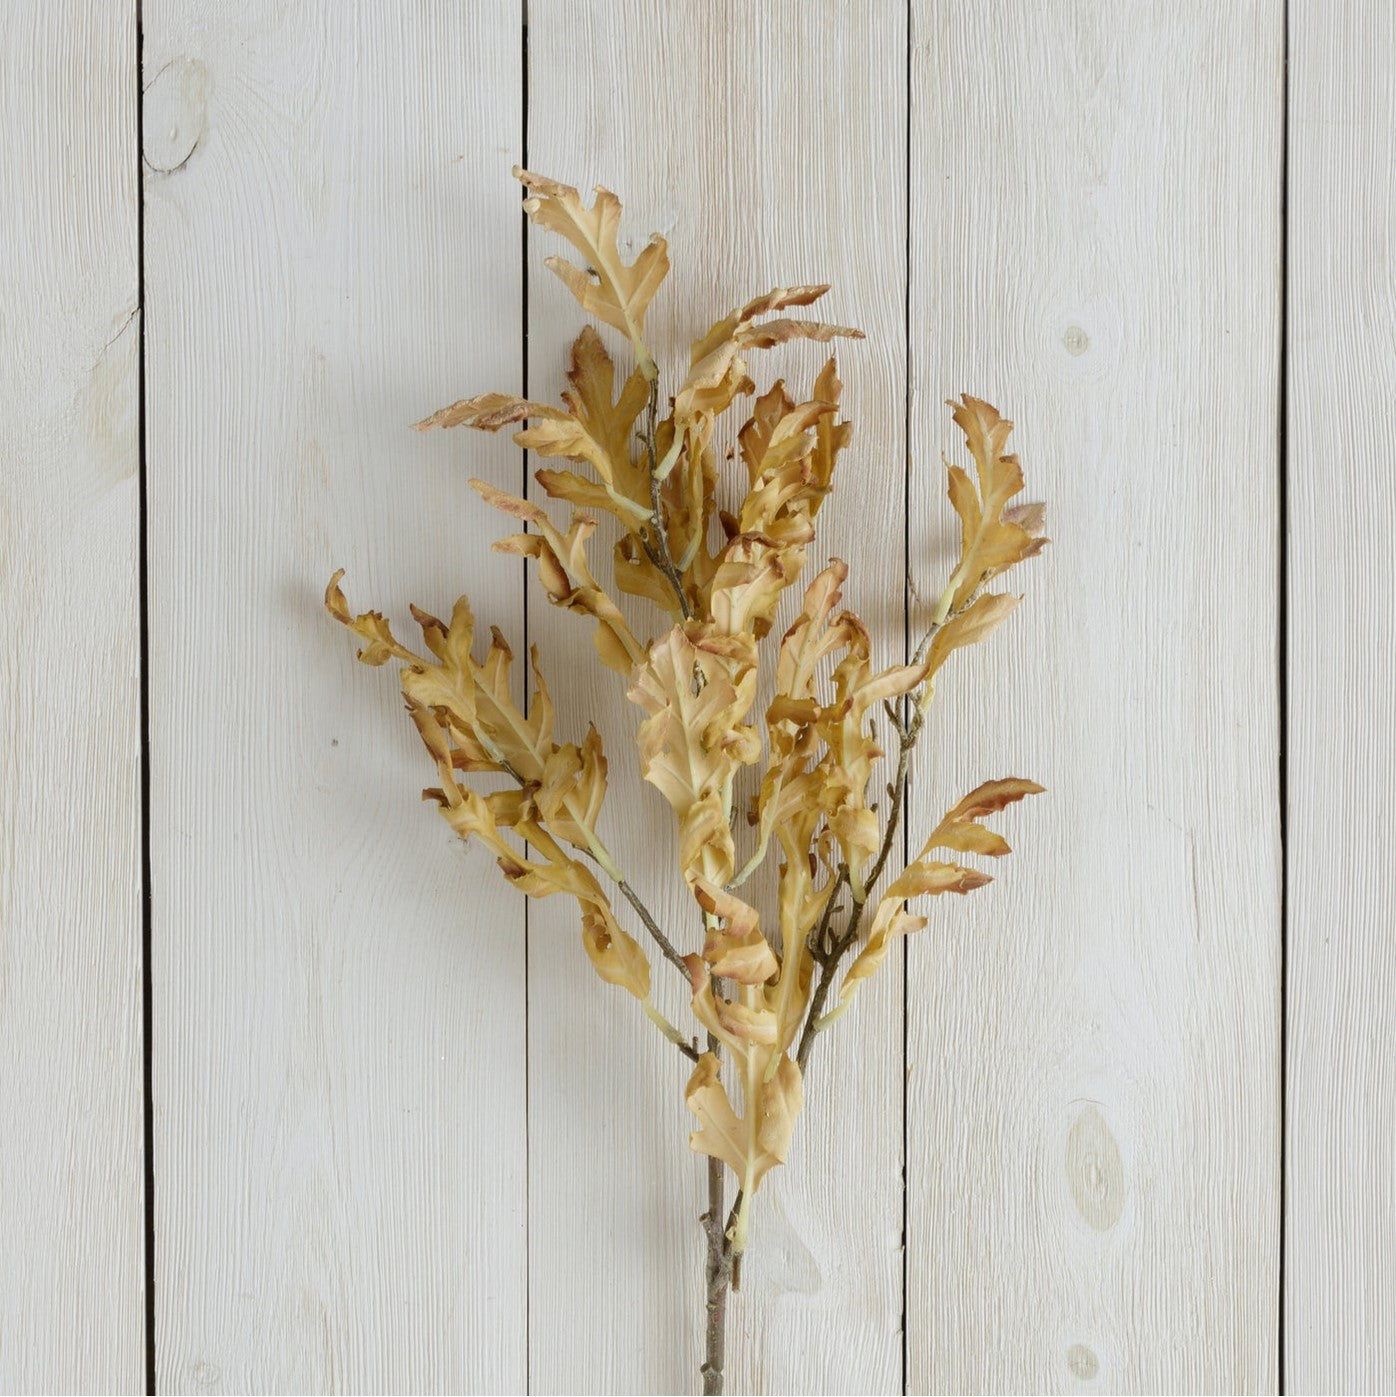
(829, 954)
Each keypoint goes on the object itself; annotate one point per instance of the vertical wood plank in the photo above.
(1093, 1148)
(1340, 1265)
(767, 144)
(332, 252)
(71, 1164)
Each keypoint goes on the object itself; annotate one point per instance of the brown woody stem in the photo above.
(665, 945)
(718, 1275)
(720, 1271)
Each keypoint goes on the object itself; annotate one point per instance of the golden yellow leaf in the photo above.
(488, 412)
(789, 450)
(720, 1133)
(371, 627)
(831, 436)
(798, 459)
(754, 438)
(616, 956)
(572, 789)
(960, 828)
(637, 576)
(889, 923)
(781, 1100)
(739, 327)
(989, 543)
(852, 752)
(751, 1155)
(565, 574)
(754, 570)
(617, 293)
(737, 951)
(609, 421)
(976, 622)
(695, 737)
(596, 430)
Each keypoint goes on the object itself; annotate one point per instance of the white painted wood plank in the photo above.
(1340, 1265)
(332, 252)
(767, 144)
(72, 1260)
(1094, 1040)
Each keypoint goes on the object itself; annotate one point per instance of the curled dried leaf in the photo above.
(979, 620)
(737, 951)
(370, 626)
(616, 956)
(726, 1136)
(566, 575)
(488, 412)
(697, 690)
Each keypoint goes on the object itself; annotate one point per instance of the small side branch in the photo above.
(658, 550)
(830, 953)
(665, 945)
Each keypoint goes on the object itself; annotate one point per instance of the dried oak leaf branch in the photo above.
(715, 567)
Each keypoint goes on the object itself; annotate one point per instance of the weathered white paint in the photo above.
(1094, 1040)
(1340, 1273)
(331, 252)
(71, 1188)
(351, 1191)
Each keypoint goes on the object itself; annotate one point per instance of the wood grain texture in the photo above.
(1094, 1040)
(767, 144)
(332, 252)
(71, 1178)
(1340, 1265)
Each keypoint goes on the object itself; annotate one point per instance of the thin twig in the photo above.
(652, 926)
(647, 917)
(908, 730)
(819, 943)
(658, 551)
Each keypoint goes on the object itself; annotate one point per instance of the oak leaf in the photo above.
(565, 574)
(990, 543)
(616, 955)
(737, 951)
(606, 286)
(750, 1148)
(697, 692)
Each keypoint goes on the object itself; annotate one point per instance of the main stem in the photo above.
(719, 1277)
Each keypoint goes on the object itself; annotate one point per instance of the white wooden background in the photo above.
(292, 1097)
